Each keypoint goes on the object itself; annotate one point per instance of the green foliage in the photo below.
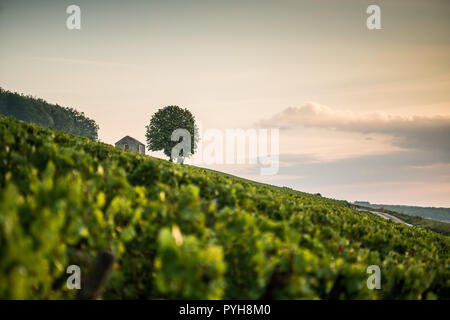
(189, 268)
(186, 232)
(42, 113)
(164, 122)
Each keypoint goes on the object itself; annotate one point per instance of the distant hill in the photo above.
(439, 214)
(40, 112)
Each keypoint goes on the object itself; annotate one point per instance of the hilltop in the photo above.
(178, 231)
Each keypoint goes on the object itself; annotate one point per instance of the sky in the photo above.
(363, 114)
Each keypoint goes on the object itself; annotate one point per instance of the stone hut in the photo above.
(129, 143)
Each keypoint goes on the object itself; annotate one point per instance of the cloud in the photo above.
(427, 133)
(403, 177)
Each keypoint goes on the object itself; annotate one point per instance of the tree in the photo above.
(164, 123)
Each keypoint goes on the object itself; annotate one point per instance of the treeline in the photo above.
(40, 112)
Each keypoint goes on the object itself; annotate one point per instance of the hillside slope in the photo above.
(184, 232)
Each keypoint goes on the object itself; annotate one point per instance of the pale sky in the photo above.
(364, 114)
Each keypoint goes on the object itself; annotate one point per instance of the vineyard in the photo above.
(178, 231)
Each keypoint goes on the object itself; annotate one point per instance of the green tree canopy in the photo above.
(163, 123)
(42, 113)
